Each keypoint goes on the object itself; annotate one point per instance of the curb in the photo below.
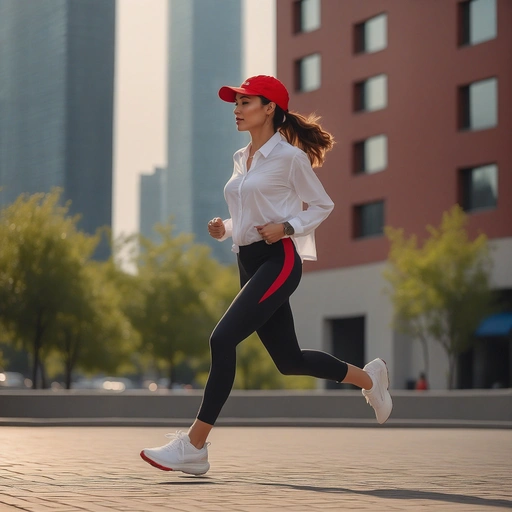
(253, 422)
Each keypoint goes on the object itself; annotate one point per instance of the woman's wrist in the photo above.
(288, 229)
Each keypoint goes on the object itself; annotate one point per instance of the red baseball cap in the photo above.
(261, 85)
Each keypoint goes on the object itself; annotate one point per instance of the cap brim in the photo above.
(228, 94)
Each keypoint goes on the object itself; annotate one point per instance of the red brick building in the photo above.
(419, 98)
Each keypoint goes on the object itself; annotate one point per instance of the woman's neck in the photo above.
(260, 137)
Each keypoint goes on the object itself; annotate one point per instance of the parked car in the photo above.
(115, 384)
(12, 380)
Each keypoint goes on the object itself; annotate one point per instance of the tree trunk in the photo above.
(44, 380)
(452, 363)
(69, 369)
(37, 350)
(68, 374)
(35, 364)
(67, 359)
(424, 345)
(171, 374)
(71, 357)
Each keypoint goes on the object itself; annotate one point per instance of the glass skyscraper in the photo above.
(56, 103)
(205, 53)
(153, 202)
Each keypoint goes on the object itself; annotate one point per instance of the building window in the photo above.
(371, 94)
(369, 219)
(308, 72)
(479, 187)
(478, 21)
(371, 35)
(371, 155)
(479, 105)
(306, 15)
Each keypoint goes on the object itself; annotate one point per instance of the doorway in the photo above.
(347, 340)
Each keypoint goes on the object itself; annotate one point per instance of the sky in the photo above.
(140, 132)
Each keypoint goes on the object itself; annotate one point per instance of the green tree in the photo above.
(256, 370)
(94, 334)
(178, 309)
(441, 290)
(130, 287)
(41, 260)
(5, 343)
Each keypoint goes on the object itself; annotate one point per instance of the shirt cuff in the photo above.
(297, 226)
(228, 226)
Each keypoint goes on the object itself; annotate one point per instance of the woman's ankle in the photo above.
(198, 433)
(358, 377)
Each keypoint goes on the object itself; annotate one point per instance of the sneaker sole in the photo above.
(190, 469)
(387, 389)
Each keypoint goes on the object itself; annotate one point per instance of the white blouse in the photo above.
(279, 181)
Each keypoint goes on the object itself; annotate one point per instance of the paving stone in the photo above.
(254, 469)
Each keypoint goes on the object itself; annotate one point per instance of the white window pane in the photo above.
(376, 153)
(376, 92)
(310, 15)
(483, 104)
(375, 34)
(310, 73)
(482, 21)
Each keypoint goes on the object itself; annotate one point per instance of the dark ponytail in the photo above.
(303, 132)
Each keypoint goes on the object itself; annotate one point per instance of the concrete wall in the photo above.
(359, 291)
(457, 408)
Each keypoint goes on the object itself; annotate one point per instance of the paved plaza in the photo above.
(98, 469)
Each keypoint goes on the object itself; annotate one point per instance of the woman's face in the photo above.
(250, 113)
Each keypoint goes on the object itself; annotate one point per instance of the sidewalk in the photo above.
(98, 469)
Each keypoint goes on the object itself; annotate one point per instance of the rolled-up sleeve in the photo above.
(311, 191)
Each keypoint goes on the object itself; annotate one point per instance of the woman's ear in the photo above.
(271, 107)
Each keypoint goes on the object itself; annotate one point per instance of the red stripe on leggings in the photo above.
(289, 258)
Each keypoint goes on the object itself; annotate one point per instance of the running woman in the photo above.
(272, 234)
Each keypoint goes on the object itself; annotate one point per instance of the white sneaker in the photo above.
(378, 397)
(178, 455)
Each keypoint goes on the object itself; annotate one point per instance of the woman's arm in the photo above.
(311, 191)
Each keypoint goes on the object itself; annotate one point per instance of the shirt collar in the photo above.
(271, 143)
(267, 148)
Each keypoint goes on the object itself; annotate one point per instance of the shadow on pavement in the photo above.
(404, 494)
(190, 480)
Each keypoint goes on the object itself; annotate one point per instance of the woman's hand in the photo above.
(271, 232)
(216, 228)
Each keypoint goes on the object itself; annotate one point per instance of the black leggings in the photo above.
(269, 274)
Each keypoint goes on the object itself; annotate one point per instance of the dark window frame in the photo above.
(297, 16)
(464, 108)
(466, 188)
(358, 224)
(297, 75)
(359, 40)
(359, 159)
(360, 96)
(464, 23)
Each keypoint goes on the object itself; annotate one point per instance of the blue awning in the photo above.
(499, 324)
